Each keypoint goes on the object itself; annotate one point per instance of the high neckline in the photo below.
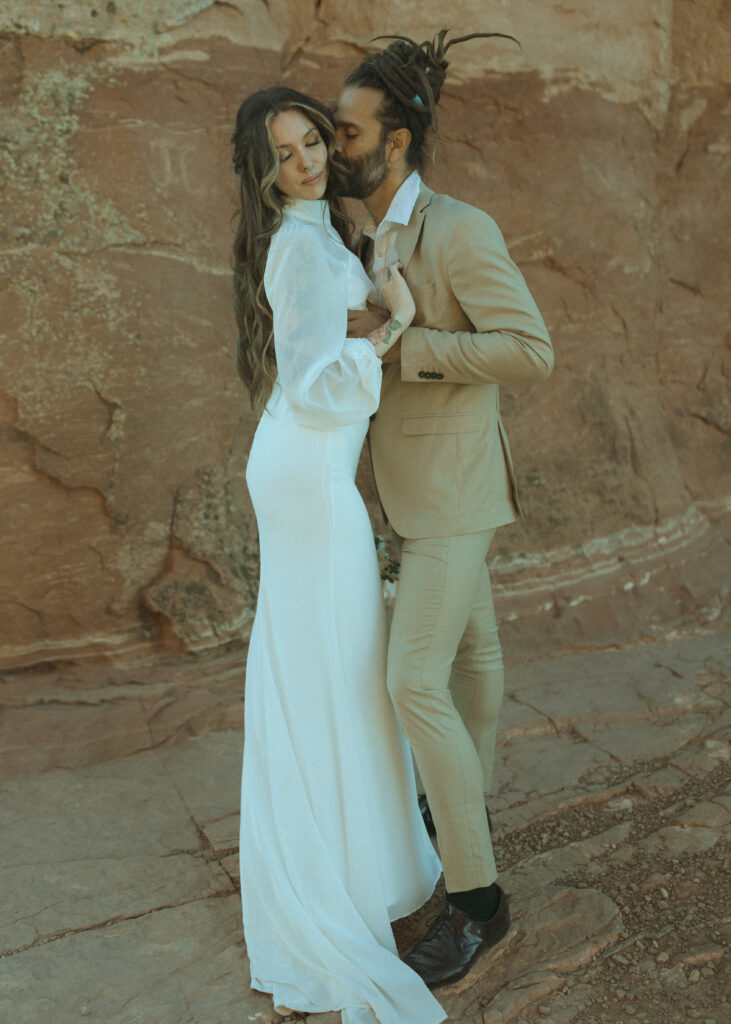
(314, 211)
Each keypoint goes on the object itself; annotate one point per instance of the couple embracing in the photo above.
(408, 344)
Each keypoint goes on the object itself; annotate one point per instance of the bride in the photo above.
(333, 847)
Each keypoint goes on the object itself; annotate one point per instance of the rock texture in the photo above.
(602, 150)
(118, 885)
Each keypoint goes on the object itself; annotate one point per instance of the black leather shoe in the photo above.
(429, 821)
(454, 942)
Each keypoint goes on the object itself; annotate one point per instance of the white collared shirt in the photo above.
(384, 236)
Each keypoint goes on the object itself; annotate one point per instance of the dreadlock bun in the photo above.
(411, 76)
(412, 72)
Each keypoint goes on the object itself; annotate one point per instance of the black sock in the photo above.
(479, 904)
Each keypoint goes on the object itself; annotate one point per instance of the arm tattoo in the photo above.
(383, 334)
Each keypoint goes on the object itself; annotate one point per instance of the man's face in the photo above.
(360, 142)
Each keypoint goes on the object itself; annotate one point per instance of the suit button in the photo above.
(421, 373)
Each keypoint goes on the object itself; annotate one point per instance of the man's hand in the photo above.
(393, 355)
(362, 321)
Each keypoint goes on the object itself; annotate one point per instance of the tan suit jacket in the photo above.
(440, 453)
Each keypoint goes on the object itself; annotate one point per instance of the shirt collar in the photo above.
(401, 208)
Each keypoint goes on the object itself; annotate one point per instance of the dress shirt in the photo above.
(384, 235)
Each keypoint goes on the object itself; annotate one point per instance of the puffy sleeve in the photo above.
(328, 380)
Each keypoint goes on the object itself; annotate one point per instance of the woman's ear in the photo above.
(400, 140)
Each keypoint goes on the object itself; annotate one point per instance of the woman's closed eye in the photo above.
(285, 156)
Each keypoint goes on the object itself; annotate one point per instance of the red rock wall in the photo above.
(602, 150)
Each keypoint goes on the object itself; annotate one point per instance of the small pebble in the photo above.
(620, 993)
(662, 958)
(694, 976)
(84, 1011)
(707, 972)
(545, 1010)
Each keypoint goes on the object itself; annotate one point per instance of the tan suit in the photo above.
(440, 452)
(445, 478)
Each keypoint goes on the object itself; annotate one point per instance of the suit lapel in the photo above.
(408, 236)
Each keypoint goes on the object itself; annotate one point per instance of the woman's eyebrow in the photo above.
(288, 145)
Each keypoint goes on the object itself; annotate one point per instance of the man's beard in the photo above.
(366, 173)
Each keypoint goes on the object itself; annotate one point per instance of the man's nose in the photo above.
(339, 140)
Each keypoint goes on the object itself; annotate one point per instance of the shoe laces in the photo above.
(444, 917)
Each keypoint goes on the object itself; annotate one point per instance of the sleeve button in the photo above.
(421, 373)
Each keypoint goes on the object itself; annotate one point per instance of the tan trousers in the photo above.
(445, 677)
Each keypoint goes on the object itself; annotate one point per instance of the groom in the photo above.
(442, 467)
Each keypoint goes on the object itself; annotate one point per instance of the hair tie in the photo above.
(417, 99)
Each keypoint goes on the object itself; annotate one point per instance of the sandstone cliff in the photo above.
(602, 150)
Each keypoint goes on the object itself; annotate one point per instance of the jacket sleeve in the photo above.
(328, 380)
(510, 342)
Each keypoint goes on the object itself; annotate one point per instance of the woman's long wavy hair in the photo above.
(256, 162)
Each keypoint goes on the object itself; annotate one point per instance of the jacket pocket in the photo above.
(448, 424)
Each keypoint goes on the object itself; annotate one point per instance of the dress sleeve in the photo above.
(328, 380)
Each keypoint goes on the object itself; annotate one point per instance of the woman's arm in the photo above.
(329, 380)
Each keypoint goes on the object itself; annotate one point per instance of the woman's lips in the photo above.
(312, 181)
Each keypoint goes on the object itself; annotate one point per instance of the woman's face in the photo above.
(302, 152)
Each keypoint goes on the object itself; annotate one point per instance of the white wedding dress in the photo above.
(332, 844)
